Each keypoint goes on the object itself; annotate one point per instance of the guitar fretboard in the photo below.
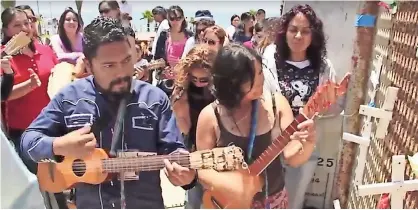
(143, 163)
(276, 147)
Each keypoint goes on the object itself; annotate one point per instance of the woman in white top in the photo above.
(234, 24)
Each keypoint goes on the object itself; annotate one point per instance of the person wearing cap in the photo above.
(109, 8)
(203, 19)
(160, 16)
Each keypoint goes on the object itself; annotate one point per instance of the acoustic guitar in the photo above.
(323, 98)
(61, 75)
(98, 167)
(155, 64)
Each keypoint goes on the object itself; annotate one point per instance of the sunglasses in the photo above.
(210, 41)
(175, 18)
(200, 80)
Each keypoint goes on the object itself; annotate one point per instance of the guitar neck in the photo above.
(276, 147)
(144, 163)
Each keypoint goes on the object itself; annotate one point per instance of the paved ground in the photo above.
(173, 196)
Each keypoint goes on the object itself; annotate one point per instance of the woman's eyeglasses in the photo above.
(210, 41)
(200, 80)
(175, 18)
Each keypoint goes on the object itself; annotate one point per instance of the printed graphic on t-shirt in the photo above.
(297, 85)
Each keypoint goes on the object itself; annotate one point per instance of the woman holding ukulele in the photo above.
(238, 79)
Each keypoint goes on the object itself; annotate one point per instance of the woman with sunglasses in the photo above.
(200, 26)
(215, 37)
(67, 44)
(191, 94)
(171, 43)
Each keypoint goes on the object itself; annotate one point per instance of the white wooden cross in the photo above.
(397, 188)
(384, 115)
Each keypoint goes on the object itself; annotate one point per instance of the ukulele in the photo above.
(16, 44)
(323, 98)
(98, 167)
(155, 64)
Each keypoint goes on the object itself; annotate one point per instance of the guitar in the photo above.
(61, 75)
(98, 167)
(322, 99)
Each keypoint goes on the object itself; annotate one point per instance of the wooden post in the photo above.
(361, 60)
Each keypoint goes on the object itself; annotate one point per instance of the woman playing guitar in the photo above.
(238, 79)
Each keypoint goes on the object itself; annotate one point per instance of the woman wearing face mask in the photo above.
(215, 37)
(297, 67)
(238, 82)
(244, 30)
(67, 44)
(191, 94)
(171, 43)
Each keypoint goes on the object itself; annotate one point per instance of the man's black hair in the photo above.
(101, 30)
(261, 11)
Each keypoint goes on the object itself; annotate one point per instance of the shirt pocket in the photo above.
(142, 125)
(80, 113)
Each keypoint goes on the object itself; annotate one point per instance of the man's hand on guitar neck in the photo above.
(179, 175)
(78, 143)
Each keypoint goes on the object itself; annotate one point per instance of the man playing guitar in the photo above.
(81, 117)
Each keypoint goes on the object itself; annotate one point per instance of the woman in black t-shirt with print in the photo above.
(297, 67)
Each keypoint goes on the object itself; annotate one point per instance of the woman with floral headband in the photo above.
(192, 92)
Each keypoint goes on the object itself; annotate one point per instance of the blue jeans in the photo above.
(194, 197)
(297, 181)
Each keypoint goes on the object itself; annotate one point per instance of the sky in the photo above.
(221, 10)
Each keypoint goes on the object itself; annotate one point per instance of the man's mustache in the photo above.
(120, 80)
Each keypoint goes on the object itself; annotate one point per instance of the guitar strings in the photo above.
(131, 168)
(150, 165)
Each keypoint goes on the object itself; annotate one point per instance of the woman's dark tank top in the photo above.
(275, 173)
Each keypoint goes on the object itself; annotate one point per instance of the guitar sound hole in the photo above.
(79, 167)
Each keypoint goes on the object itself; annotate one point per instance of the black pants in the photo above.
(15, 135)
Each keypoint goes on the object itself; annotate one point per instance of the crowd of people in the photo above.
(202, 99)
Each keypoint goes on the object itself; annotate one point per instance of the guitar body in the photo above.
(61, 75)
(56, 177)
(247, 185)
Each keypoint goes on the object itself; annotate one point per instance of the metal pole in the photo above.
(361, 60)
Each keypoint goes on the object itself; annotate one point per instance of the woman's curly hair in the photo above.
(316, 51)
(200, 56)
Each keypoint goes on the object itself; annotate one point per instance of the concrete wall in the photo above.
(338, 18)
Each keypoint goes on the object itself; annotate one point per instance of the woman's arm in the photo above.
(61, 53)
(22, 89)
(296, 152)
(181, 110)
